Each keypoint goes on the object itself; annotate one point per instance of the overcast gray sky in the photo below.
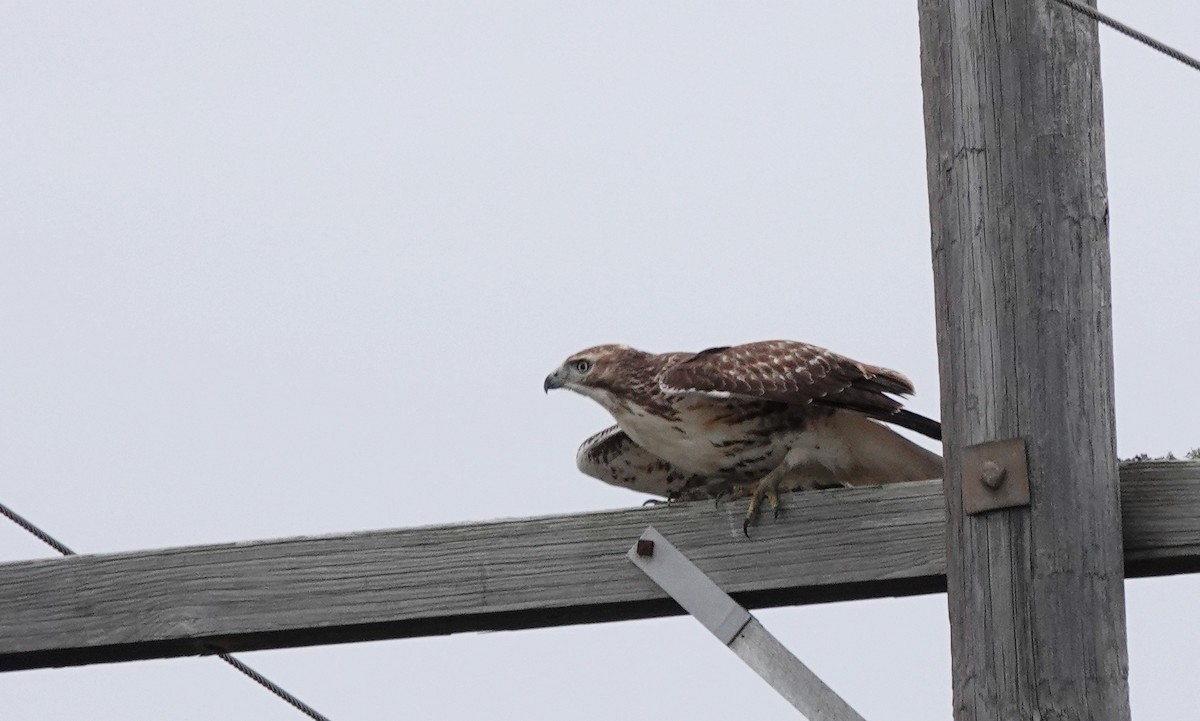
(279, 268)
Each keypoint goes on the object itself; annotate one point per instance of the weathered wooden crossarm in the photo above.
(1160, 516)
(832, 545)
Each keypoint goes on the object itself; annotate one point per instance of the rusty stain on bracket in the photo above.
(995, 475)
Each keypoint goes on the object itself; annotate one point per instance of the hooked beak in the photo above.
(554, 380)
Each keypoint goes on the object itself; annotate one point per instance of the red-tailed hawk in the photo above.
(773, 416)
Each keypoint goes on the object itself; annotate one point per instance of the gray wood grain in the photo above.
(826, 546)
(1019, 215)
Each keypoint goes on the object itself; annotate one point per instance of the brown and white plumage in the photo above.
(772, 415)
(612, 456)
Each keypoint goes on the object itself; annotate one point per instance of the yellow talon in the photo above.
(767, 488)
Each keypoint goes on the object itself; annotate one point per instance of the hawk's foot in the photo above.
(755, 508)
(730, 491)
(672, 498)
(767, 488)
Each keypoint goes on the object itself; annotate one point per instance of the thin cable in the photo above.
(274, 688)
(1121, 27)
(41, 535)
(254, 675)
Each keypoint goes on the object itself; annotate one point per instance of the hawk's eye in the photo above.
(583, 366)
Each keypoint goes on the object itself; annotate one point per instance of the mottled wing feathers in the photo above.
(611, 456)
(790, 372)
(734, 414)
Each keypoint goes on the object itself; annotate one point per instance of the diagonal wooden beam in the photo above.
(827, 546)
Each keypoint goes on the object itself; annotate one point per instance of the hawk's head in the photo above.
(604, 373)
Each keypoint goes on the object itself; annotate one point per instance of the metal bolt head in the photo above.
(645, 547)
(992, 475)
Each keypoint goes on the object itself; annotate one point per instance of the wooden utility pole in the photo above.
(1019, 214)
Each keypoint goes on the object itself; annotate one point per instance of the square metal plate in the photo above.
(995, 475)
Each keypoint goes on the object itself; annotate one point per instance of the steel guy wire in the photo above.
(254, 675)
(1121, 27)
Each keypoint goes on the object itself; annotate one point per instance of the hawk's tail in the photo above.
(881, 455)
(915, 422)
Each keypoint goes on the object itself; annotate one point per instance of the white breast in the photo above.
(691, 442)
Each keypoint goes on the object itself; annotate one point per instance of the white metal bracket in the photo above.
(737, 629)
